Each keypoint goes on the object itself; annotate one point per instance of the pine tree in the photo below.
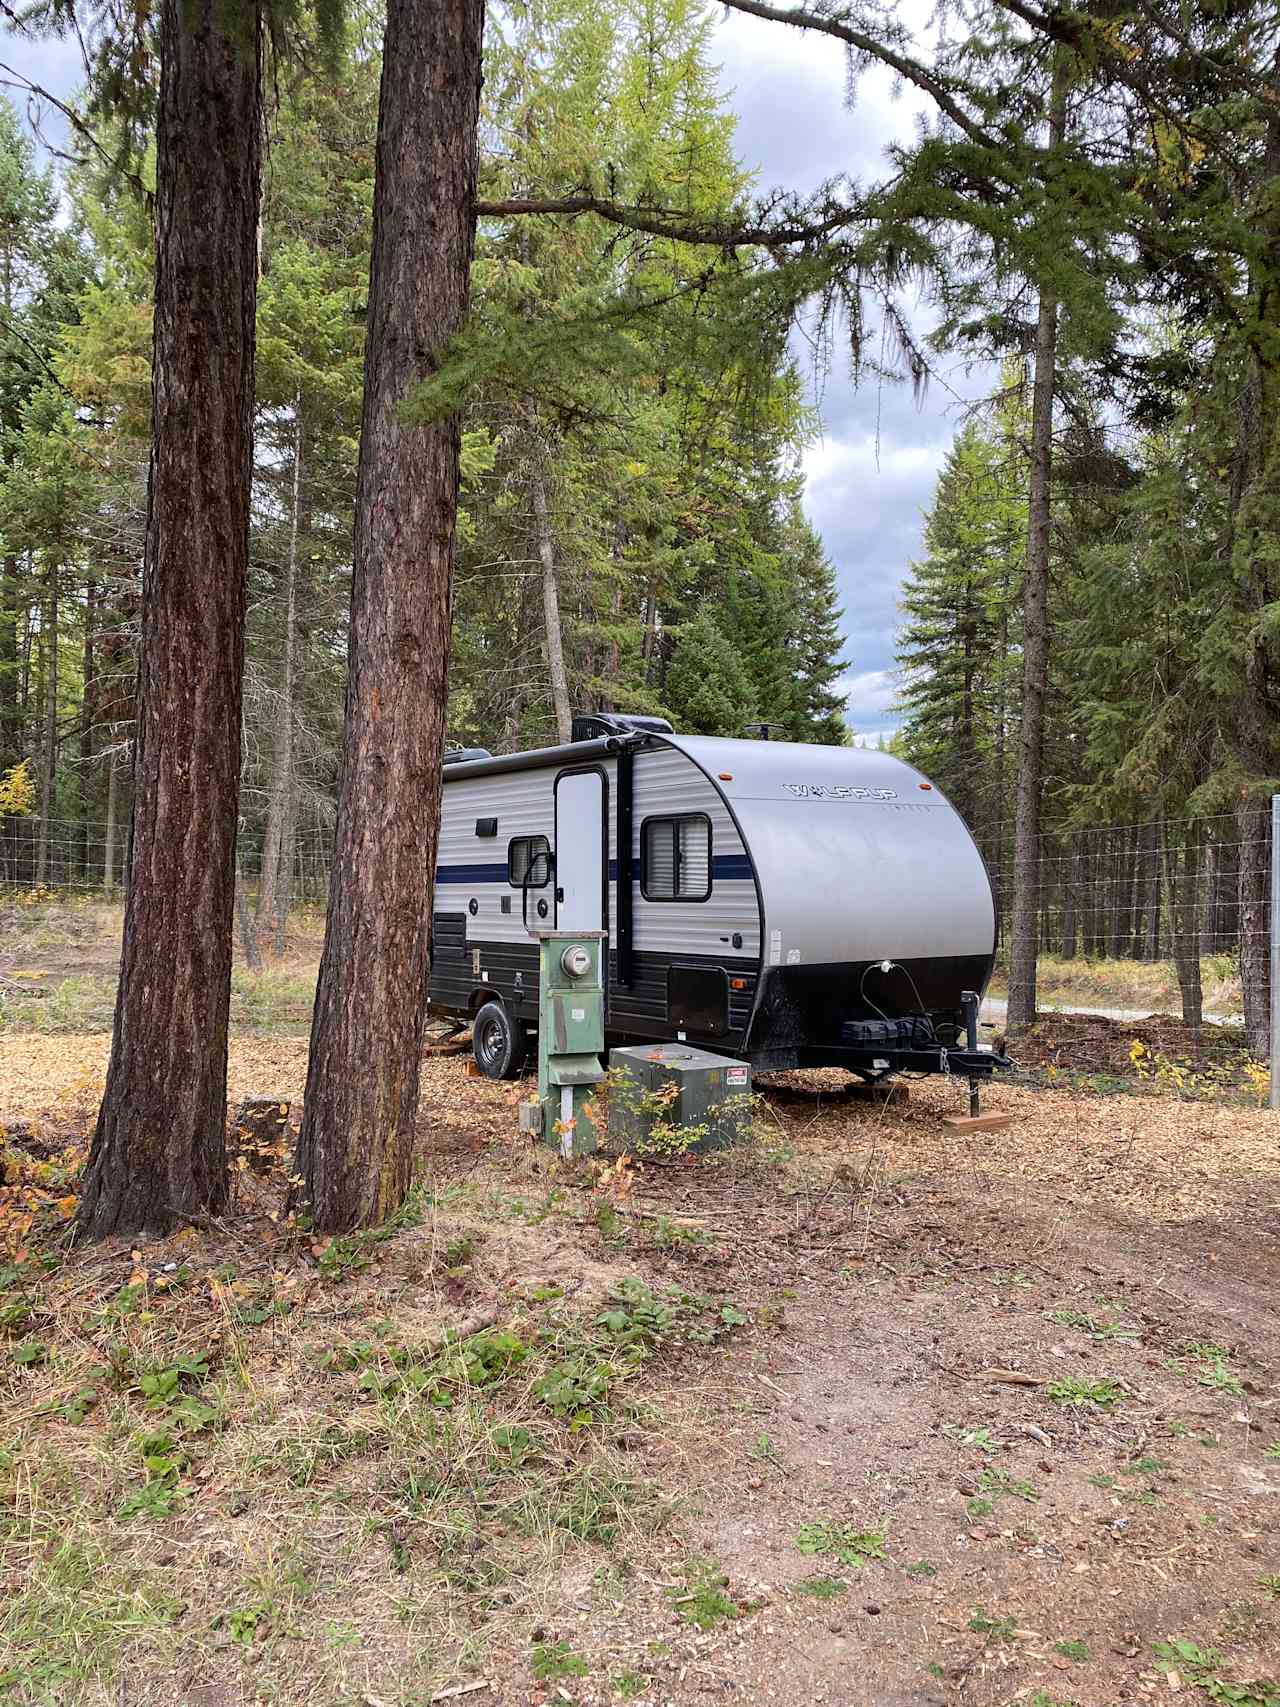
(708, 687)
(959, 628)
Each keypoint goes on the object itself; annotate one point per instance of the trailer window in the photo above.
(675, 856)
(521, 853)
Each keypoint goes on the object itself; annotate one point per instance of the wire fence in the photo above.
(89, 858)
(1154, 938)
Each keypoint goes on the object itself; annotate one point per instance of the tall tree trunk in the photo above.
(88, 711)
(159, 1147)
(10, 668)
(1256, 535)
(1182, 875)
(355, 1148)
(284, 890)
(278, 804)
(49, 750)
(551, 603)
(109, 834)
(1035, 625)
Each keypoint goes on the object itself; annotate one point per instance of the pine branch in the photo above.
(11, 79)
(667, 222)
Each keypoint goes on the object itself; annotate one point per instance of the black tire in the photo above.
(499, 1043)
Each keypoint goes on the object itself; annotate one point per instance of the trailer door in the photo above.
(582, 866)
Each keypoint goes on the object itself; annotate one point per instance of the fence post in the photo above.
(1274, 928)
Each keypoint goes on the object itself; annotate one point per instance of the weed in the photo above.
(459, 1252)
(1272, 1451)
(1042, 1698)
(841, 1541)
(627, 1684)
(705, 1601)
(551, 1662)
(1072, 1650)
(766, 1451)
(74, 1408)
(985, 1623)
(922, 1568)
(976, 1509)
(822, 1588)
(1270, 1585)
(1096, 1395)
(1201, 1668)
(979, 1437)
(1094, 1326)
(1214, 1371)
(243, 1622)
(1101, 1481)
(28, 1354)
(1003, 1485)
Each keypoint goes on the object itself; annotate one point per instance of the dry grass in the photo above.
(271, 1473)
(1151, 986)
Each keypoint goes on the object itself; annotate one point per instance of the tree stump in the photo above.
(259, 1132)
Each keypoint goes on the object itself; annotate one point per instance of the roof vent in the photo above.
(461, 755)
(594, 725)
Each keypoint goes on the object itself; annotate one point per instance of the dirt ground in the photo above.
(881, 1414)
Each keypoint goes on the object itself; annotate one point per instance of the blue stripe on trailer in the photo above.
(726, 866)
(471, 873)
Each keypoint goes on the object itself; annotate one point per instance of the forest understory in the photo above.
(865, 1411)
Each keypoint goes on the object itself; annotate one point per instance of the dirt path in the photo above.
(1028, 1546)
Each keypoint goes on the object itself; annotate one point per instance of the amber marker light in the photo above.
(737, 983)
(927, 786)
(725, 776)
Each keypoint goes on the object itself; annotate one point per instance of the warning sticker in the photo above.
(775, 948)
(793, 957)
(578, 1013)
(736, 1076)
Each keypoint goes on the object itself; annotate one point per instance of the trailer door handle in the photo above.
(559, 894)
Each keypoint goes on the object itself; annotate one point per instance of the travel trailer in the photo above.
(792, 905)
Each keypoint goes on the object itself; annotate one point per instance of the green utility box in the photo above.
(570, 1038)
(670, 1098)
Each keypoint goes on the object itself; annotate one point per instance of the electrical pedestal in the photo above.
(570, 1039)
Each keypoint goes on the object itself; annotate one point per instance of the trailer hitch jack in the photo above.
(969, 1003)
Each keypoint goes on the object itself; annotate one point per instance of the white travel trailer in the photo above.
(792, 905)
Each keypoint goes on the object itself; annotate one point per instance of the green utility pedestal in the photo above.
(570, 1036)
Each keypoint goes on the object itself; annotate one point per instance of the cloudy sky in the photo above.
(871, 474)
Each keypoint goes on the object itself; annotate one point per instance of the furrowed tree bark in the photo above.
(158, 1150)
(355, 1148)
(1024, 925)
(278, 805)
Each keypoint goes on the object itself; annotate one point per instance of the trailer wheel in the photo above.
(498, 1042)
